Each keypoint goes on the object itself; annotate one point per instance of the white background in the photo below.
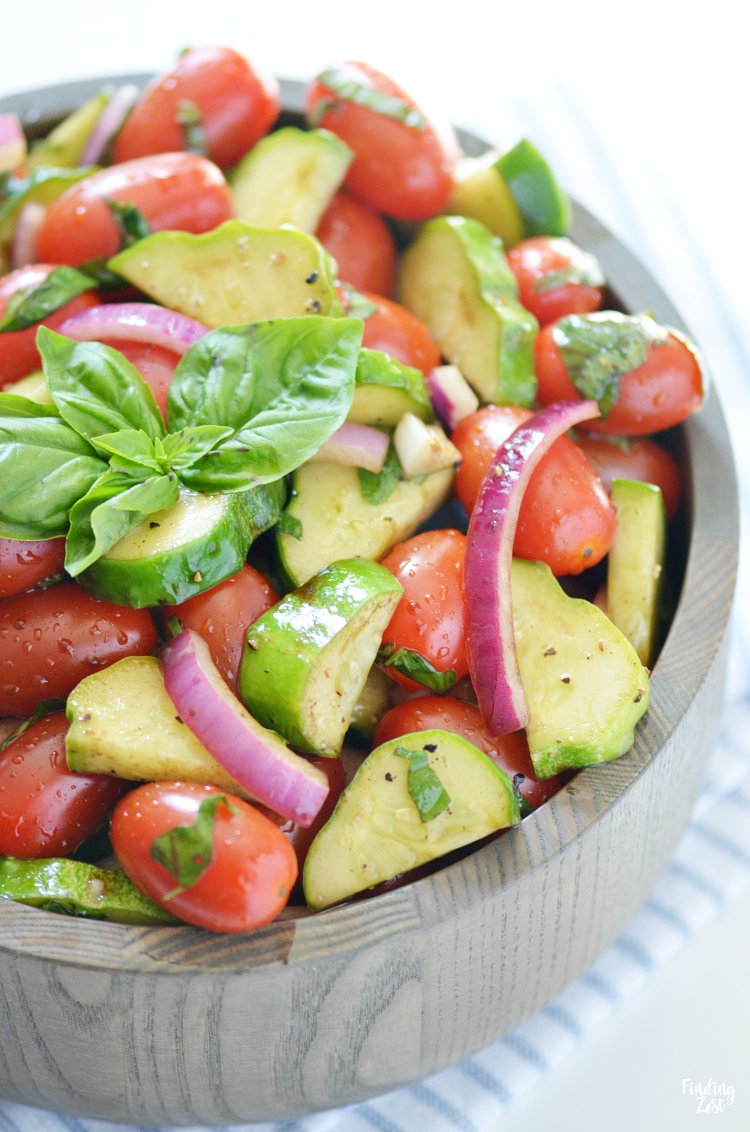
(660, 92)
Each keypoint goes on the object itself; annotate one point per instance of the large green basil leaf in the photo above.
(284, 387)
(45, 467)
(95, 388)
(30, 305)
(427, 791)
(11, 405)
(112, 508)
(599, 349)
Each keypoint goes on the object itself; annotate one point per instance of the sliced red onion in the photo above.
(135, 322)
(255, 757)
(12, 143)
(355, 445)
(111, 118)
(451, 395)
(491, 644)
(29, 222)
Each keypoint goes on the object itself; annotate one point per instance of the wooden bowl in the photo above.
(179, 1026)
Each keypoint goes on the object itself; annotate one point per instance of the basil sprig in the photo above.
(599, 349)
(349, 84)
(186, 851)
(426, 790)
(416, 667)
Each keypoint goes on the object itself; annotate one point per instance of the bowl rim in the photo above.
(299, 936)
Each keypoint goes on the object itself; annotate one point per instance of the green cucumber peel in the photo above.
(599, 349)
(348, 84)
(190, 121)
(186, 851)
(31, 304)
(416, 667)
(426, 789)
(44, 707)
(378, 487)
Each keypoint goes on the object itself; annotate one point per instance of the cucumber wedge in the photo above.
(543, 205)
(338, 522)
(585, 685)
(386, 389)
(64, 146)
(235, 274)
(305, 662)
(173, 555)
(289, 178)
(377, 831)
(481, 192)
(456, 280)
(635, 571)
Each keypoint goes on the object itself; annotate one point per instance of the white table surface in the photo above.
(669, 81)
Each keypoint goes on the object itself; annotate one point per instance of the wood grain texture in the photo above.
(177, 1026)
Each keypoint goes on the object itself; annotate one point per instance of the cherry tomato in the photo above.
(510, 752)
(361, 243)
(566, 518)
(155, 364)
(536, 261)
(405, 171)
(50, 639)
(237, 106)
(45, 809)
(18, 353)
(223, 615)
(642, 460)
(661, 393)
(394, 330)
(251, 873)
(24, 564)
(174, 191)
(429, 618)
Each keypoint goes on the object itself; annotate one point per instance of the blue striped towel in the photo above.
(617, 172)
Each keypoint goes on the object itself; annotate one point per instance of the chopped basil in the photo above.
(190, 121)
(289, 525)
(599, 349)
(424, 786)
(44, 707)
(30, 305)
(358, 305)
(583, 269)
(173, 625)
(186, 851)
(349, 84)
(415, 667)
(377, 487)
(131, 222)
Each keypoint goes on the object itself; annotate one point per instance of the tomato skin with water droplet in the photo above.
(24, 564)
(45, 809)
(70, 635)
(246, 884)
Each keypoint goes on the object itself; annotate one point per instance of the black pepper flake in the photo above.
(494, 524)
(639, 697)
(587, 552)
(388, 776)
(518, 779)
(550, 651)
(431, 747)
(565, 679)
(313, 278)
(153, 525)
(179, 720)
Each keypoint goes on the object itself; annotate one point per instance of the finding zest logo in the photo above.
(711, 1097)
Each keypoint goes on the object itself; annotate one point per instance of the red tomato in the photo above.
(237, 105)
(510, 752)
(429, 618)
(661, 393)
(52, 638)
(394, 330)
(644, 461)
(361, 243)
(18, 353)
(535, 260)
(24, 564)
(253, 866)
(223, 615)
(405, 171)
(566, 518)
(174, 191)
(155, 364)
(45, 809)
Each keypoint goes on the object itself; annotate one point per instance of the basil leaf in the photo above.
(131, 222)
(351, 85)
(111, 509)
(190, 121)
(583, 269)
(599, 349)
(104, 279)
(284, 387)
(132, 445)
(95, 388)
(426, 789)
(32, 304)
(357, 305)
(290, 525)
(11, 405)
(186, 851)
(184, 448)
(45, 467)
(43, 185)
(416, 667)
(377, 487)
(44, 707)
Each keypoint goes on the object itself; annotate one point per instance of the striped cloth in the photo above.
(615, 169)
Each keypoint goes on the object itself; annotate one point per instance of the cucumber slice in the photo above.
(635, 572)
(289, 178)
(338, 522)
(543, 205)
(385, 390)
(306, 661)
(372, 704)
(122, 722)
(585, 685)
(481, 192)
(173, 555)
(456, 280)
(376, 831)
(235, 274)
(33, 386)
